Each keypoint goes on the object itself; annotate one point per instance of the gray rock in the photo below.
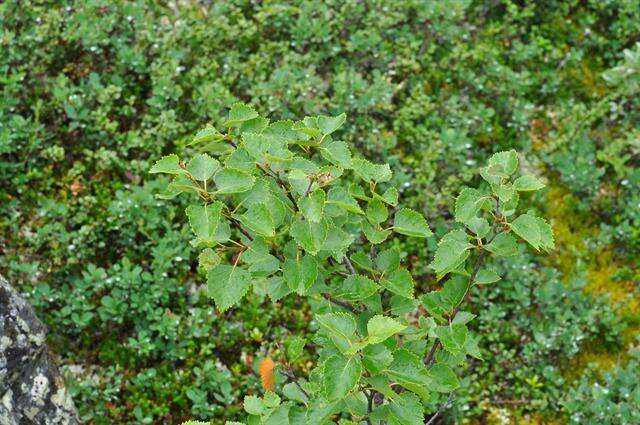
(31, 389)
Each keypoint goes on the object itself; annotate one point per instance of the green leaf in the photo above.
(370, 172)
(503, 245)
(377, 211)
(271, 399)
(300, 274)
(202, 166)
(341, 376)
(446, 299)
(169, 164)
(258, 219)
(406, 409)
(227, 285)
(485, 276)
(294, 347)
(310, 236)
(479, 226)
(240, 113)
(452, 251)
(390, 196)
(254, 405)
(232, 180)
(411, 223)
(206, 135)
(468, 204)
(453, 338)
(373, 235)
(339, 197)
(330, 124)
(340, 328)
(526, 226)
(527, 183)
(504, 162)
(443, 379)
(399, 282)
(337, 153)
(379, 328)
(204, 221)
(376, 358)
(357, 288)
(312, 206)
(410, 372)
(208, 259)
(388, 260)
(547, 242)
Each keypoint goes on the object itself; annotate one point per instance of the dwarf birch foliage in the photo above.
(286, 208)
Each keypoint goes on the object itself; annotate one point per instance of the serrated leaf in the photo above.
(254, 405)
(376, 358)
(206, 135)
(388, 260)
(442, 378)
(227, 285)
(337, 152)
(310, 236)
(406, 409)
(271, 399)
(486, 276)
(504, 162)
(371, 172)
(399, 282)
(410, 372)
(452, 251)
(376, 211)
(341, 376)
(312, 206)
(300, 274)
(479, 226)
(337, 242)
(379, 328)
(547, 242)
(357, 288)
(340, 328)
(239, 113)
(232, 180)
(446, 299)
(373, 235)
(169, 164)
(390, 196)
(339, 197)
(453, 338)
(411, 223)
(202, 166)
(208, 259)
(329, 125)
(468, 204)
(294, 347)
(204, 221)
(503, 245)
(527, 183)
(526, 226)
(258, 219)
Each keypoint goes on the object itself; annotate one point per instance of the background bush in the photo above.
(94, 91)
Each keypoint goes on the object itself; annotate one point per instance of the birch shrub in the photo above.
(286, 208)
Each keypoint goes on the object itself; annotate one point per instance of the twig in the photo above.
(347, 262)
(343, 304)
(293, 378)
(442, 408)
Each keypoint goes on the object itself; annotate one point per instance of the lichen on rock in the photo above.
(31, 388)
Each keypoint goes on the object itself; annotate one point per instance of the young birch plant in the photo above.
(286, 209)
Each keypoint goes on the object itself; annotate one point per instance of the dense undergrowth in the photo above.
(94, 91)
